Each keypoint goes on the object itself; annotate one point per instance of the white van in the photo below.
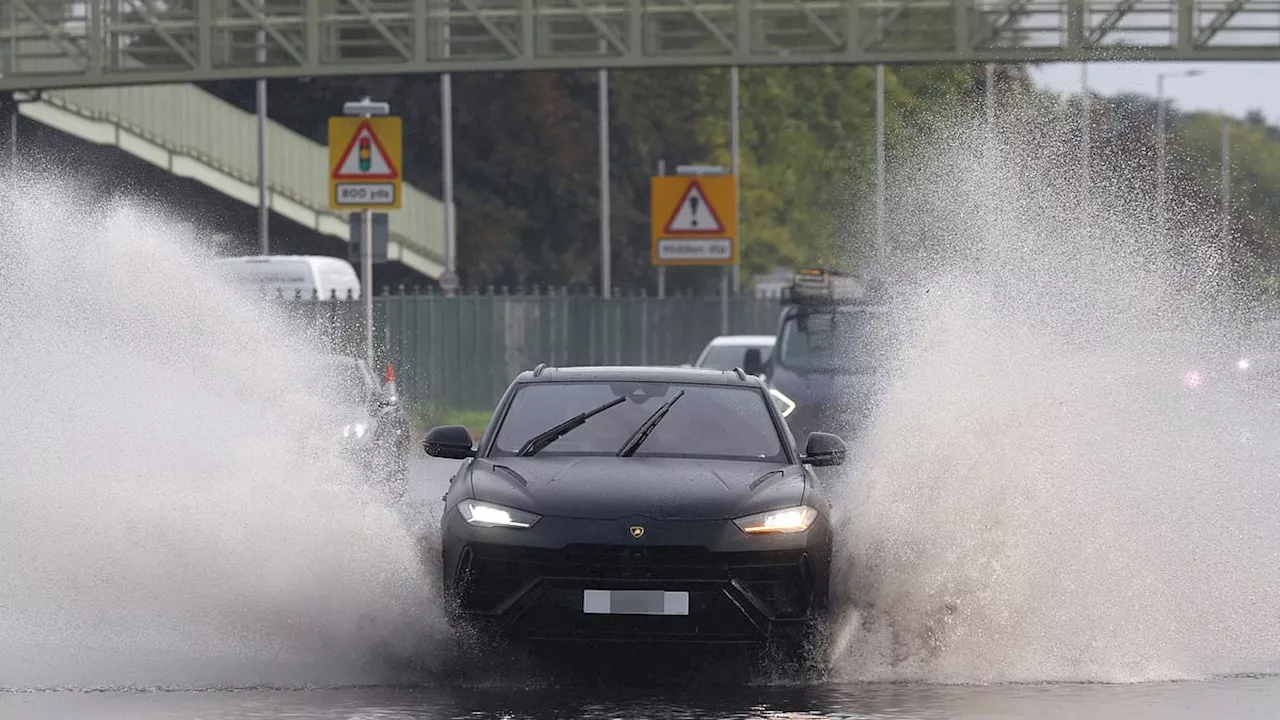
(293, 276)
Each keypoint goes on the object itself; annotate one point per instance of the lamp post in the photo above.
(880, 200)
(606, 240)
(1226, 186)
(1161, 155)
(449, 278)
(264, 193)
(1086, 152)
(735, 125)
(989, 96)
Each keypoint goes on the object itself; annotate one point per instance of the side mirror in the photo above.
(823, 450)
(752, 362)
(449, 441)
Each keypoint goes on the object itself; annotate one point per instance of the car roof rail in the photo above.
(538, 370)
(742, 374)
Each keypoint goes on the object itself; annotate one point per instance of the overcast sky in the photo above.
(1235, 87)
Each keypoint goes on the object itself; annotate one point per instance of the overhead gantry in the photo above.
(74, 43)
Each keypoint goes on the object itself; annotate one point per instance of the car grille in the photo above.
(776, 583)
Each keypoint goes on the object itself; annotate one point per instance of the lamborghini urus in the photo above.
(637, 504)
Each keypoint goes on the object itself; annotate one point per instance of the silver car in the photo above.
(727, 352)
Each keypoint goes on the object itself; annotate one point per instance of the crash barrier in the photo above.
(461, 351)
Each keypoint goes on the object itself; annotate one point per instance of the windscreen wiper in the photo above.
(545, 438)
(642, 433)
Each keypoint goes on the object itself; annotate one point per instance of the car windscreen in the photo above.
(341, 380)
(708, 421)
(838, 341)
(728, 357)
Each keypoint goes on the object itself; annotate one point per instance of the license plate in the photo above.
(634, 602)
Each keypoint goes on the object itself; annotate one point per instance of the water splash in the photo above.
(172, 515)
(1040, 498)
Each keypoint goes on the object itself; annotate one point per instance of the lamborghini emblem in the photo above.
(637, 531)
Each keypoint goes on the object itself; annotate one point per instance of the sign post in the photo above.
(694, 221)
(381, 238)
(449, 281)
(365, 174)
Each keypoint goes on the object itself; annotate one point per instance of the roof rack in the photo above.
(820, 286)
(538, 370)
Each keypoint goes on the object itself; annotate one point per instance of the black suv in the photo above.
(832, 352)
(633, 504)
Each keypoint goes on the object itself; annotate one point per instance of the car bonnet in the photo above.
(658, 488)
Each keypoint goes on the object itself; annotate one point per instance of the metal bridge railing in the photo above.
(100, 42)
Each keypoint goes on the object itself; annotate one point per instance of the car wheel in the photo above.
(454, 585)
(797, 650)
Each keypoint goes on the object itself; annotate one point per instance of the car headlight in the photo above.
(787, 520)
(786, 405)
(355, 430)
(484, 514)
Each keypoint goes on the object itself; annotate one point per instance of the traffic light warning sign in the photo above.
(365, 158)
(364, 163)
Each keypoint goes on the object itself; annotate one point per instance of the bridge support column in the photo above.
(1075, 25)
(9, 112)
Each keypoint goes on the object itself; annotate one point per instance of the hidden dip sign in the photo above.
(694, 220)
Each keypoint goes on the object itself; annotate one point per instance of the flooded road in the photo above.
(532, 693)
(1225, 699)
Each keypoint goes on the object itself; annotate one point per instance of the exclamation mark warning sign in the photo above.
(694, 214)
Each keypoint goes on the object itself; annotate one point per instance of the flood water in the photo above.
(652, 686)
(1223, 699)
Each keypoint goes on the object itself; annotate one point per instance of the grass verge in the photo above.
(473, 420)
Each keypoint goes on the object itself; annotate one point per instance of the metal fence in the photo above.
(461, 352)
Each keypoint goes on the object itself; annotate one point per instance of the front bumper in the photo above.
(530, 584)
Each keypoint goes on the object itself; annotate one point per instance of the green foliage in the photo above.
(1254, 151)
(526, 156)
(1124, 156)
(808, 149)
(474, 421)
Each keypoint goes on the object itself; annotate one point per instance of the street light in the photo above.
(1226, 185)
(1086, 152)
(880, 199)
(1161, 190)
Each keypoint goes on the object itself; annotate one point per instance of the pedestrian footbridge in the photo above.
(193, 134)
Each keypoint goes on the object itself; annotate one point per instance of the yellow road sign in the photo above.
(694, 220)
(365, 168)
